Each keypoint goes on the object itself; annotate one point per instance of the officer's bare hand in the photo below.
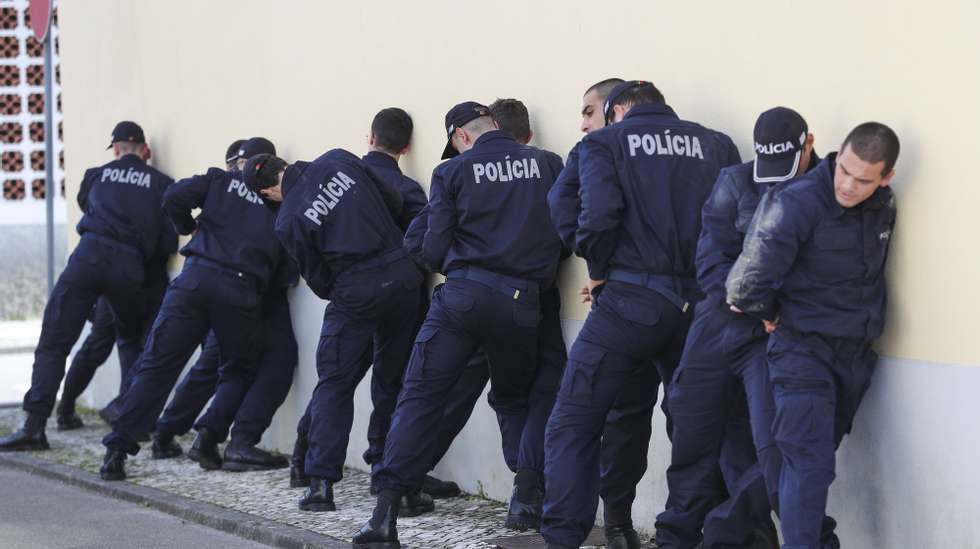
(589, 288)
(585, 294)
(770, 326)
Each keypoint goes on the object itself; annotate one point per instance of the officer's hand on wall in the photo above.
(770, 326)
(585, 294)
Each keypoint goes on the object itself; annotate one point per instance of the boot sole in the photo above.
(242, 467)
(203, 462)
(378, 545)
(112, 476)
(522, 524)
(417, 511)
(36, 448)
(318, 507)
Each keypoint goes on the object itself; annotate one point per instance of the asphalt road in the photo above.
(38, 513)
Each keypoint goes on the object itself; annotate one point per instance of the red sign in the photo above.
(40, 11)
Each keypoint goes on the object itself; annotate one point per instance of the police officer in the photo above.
(97, 347)
(488, 231)
(230, 260)
(338, 221)
(267, 391)
(726, 350)
(526, 457)
(812, 271)
(389, 138)
(121, 229)
(644, 180)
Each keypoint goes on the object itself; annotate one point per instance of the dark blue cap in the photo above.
(459, 116)
(780, 135)
(261, 171)
(620, 89)
(231, 154)
(254, 146)
(127, 131)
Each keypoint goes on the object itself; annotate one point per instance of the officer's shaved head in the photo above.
(127, 147)
(391, 130)
(480, 125)
(595, 96)
(874, 142)
(511, 116)
(603, 87)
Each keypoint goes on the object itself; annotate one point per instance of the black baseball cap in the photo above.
(620, 89)
(127, 131)
(458, 116)
(780, 135)
(261, 171)
(254, 146)
(231, 154)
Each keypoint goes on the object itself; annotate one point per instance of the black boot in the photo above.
(440, 489)
(766, 537)
(622, 537)
(28, 438)
(114, 465)
(241, 456)
(524, 512)
(297, 476)
(164, 446)
(381, 532)
(66, 417)
(318, 497)
(413, 505)
(205, 451)
(618, 518)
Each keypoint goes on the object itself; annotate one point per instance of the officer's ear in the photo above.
(885, 181)
(372, 138)
(406, 150)
(530, 136)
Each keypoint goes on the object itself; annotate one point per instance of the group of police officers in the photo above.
(751, 291)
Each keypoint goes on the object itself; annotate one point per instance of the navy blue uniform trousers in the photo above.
(817, 386)
(267, 391)
(724, 355)
(193, 392)
(97, 347)
(628, 327)
(474, 308)
(99, 267)
(206, 296)
(370, 320)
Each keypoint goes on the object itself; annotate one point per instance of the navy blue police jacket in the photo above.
(334, 215)
(123, 201)
(413, 197)
(488, 208)
(563, 199)
(155, 268)
(644, 181)
(725, 220)
(817, 266)
(234, 228)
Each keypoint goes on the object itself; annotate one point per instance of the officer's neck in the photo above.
(376, 149)
(120, 156)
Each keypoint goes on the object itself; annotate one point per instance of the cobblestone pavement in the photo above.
(458, 523)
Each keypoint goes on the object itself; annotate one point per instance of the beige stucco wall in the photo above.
(310, 74)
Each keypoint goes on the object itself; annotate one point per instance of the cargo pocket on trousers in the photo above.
(328, 350)
(633, 311)
(455, 299)
(578, 382)
(420, 351)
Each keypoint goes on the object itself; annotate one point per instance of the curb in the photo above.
(233, 522)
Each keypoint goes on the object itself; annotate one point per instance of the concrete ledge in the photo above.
(234, 522)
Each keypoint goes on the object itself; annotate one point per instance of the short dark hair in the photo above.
(392, 129)
(874, 142)
(511, 115)
(637, 95)
(603, 87)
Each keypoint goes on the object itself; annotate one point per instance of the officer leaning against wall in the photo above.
(644, 180)
(338, 222)
(488, 230)
(230, 260)
(97, 347)
(724, 354)
(120, 228)
(812, 269)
